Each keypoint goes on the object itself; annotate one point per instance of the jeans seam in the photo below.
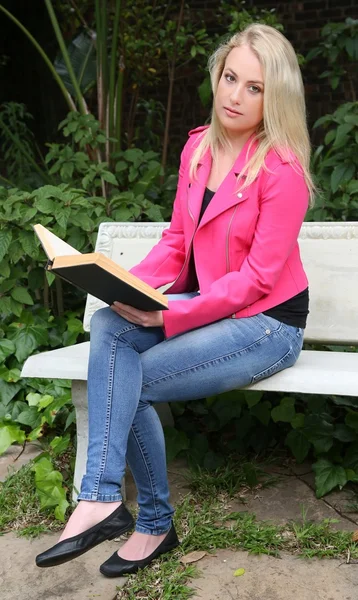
(266, 372)
(209, 363)
(104, 452)
(148, 469)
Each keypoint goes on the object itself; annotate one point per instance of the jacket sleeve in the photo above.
(277, 229)
(163, 263)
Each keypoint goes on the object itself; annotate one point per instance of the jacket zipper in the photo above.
(227, 241)
(233, 316)
(189, 249)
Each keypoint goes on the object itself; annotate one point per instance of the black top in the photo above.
(293, 311)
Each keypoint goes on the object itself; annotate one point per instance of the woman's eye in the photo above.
(227, 77)
(254, 89)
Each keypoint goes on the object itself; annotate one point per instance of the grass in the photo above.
(20, 507)
(234, 478)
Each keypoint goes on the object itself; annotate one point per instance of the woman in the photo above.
(243, 192)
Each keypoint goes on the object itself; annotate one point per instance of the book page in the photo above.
(52, 244)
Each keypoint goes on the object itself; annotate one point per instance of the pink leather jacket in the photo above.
(246, 252)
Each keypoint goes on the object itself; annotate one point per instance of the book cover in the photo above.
(98, 275)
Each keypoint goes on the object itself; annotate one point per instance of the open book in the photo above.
(98, 275)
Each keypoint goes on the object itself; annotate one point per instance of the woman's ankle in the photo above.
(86, 515)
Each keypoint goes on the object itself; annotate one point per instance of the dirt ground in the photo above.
(265, 578)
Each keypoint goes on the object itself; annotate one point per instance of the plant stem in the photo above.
(66, 58)
(44, 56)
(118, 103)
(102, 66)
(170, 94)
(112, 76)
(7, 181)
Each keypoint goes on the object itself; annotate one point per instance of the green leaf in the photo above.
(70, 419)
(27, 338)
(351, 458)
(4, 268)
(319, 432)
(342, 401)
(45, 401)
(352, 420)
(341, 173)
(33, 399)
(344, 433)
(328, 476)
(50, 277)
(227, 407)
(252, 398)
(21, 295)
(61, 508)
(205, 92)
(49, 487)
(7, 347)
(60, 444)
(342, 131)
(11, 375)
(5, 241)
(28, 243)
(262, 412)
(175, 442)
(46, 205)
(298, 421)
(109, 177)
(297, 441)
(30, 417)
(10, 434)
(285, 412)
(330, 136)
(5, 306)
(8, 391)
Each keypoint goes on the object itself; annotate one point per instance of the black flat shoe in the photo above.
(116, 566)
(118, 522)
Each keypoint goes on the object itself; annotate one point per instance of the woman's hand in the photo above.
(139, 317)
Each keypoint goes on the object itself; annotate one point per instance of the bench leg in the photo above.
(79, 399)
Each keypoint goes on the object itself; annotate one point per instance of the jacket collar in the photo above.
(226, 195)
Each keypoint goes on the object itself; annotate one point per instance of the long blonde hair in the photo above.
(284, 126)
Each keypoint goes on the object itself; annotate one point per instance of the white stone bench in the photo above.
(330, 256)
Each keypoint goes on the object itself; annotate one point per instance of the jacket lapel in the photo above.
(226, 195)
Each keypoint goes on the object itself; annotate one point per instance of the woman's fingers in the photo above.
(138, 317)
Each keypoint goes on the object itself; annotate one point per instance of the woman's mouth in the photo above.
(232, 113)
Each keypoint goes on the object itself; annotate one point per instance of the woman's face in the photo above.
(240, 95)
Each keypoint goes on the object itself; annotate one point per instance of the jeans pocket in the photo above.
(286, 361)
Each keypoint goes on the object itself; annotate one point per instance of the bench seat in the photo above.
(315, 372)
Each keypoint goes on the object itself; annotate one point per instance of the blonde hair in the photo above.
(284, 126)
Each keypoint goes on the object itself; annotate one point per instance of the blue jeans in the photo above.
(131, 367)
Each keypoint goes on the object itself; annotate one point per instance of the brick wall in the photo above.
(302, 21)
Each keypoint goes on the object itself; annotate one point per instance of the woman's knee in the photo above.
(105, 320)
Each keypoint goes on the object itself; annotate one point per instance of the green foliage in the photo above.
(15, 117)
(48, 482)
(40, 313)
(338, 47)
(242, 422)
(335, 165)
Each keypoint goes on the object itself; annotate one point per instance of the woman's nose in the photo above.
(236, 95)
